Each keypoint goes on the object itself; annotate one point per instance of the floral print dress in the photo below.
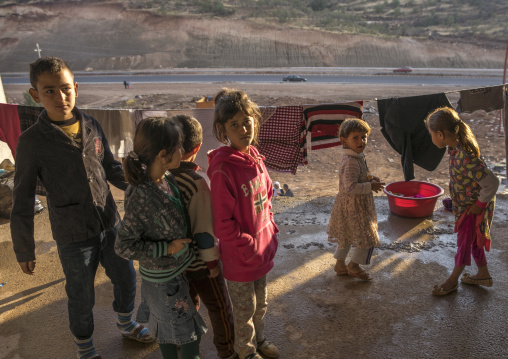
(466, 170)
(353, 220)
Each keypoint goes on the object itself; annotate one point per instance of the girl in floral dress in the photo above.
(473, 187)
(353, 220)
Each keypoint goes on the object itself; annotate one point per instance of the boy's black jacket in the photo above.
(79, 200)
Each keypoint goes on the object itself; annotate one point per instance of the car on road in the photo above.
(403, 70)
(295, 78)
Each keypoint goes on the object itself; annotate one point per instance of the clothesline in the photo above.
(284, 132)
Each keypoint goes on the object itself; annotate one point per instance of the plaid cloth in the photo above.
(280, 137)
(323, 122)
(28, 116)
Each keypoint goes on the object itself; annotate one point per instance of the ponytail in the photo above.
(134, 170)
(467, 139)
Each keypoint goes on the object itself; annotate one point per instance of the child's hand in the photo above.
(377, 186)
(475, 209)
(214, 272)
(27, 267)
(177, 245)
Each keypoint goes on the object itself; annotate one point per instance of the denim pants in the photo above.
(80, 261)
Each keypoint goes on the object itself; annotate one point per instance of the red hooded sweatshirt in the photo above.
(241, 191)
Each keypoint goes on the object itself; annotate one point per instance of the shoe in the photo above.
(140, 334)
(363, 275)
(268, 349)
(341, 272)
(439, 291)
(486, 282)
(38, 208)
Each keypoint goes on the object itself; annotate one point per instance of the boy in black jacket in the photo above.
(67, 150)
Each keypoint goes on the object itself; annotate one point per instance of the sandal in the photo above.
(363, 275)
(486, 282)
(140, 334)
(439, 291)
(342, 272)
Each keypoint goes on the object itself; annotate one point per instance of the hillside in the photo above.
(116, 35)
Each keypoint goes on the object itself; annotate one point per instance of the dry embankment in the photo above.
(108, 36)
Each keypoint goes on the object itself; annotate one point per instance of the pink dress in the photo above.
(353, 219)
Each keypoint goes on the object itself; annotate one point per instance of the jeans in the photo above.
(80, 261)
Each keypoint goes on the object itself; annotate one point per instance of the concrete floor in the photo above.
(312, 313)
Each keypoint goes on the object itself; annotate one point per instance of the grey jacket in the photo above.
(80, 202)
(151, 222)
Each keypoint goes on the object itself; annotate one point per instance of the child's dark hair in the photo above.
(353, 125)
(228, 102)
(152, 135)
(52, 65)
(447, 120)
(191, 129)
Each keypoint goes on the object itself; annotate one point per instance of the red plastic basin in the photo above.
(413, 207)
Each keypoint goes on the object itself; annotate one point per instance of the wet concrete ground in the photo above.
(312, 313)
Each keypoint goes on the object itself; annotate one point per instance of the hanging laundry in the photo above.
(486, 98)
(9, 126)
(279, 138)
(402, 123)
(323, 122)
(28, 116)
(118, 126)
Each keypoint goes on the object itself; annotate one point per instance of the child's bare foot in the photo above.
(340, 268)
(354, 270)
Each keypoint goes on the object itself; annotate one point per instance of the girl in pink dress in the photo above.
(353, 220)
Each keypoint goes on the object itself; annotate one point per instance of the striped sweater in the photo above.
(152, 220)
(195, 195)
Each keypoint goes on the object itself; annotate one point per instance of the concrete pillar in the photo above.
(2, 93)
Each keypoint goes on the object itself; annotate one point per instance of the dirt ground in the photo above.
(303, 290)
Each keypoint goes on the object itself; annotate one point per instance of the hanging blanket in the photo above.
(323, 122)
(279, 138)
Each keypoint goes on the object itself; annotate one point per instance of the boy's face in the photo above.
(57, 93)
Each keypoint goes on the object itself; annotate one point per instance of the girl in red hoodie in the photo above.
(241, 192)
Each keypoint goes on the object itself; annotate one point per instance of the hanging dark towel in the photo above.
(487, 98)
(402, 123)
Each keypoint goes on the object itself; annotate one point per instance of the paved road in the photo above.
(423, 77)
